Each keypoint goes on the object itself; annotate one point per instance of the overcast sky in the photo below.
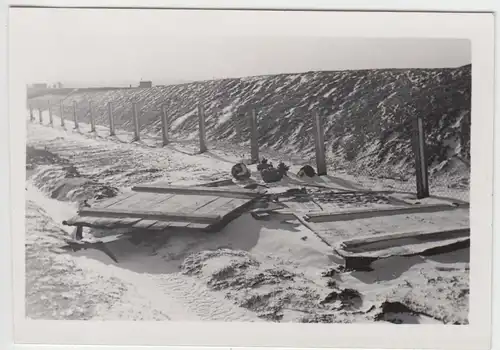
(103, 47)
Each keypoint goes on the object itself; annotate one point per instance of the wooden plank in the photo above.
(189, 205)
(226, 208)
(374, 242)
(213, 207)
(174, 204)
(111, 201)
(370, 213)
(208, 208)
(92, 221)
(360, 253)
(198, 190)
(144, 223)
(194, 207)
(123, 213)
(141, 200)
(168, 204)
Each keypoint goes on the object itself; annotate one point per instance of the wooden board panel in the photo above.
(156, 211)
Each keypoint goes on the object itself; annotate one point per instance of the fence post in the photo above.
(201, 124)
(422, 173)
(254, 139)
(319, 143)
(75, 116)
(111, 120)
(51, 120)
(40, 116)
(137, 135)
(164, 125)
(92, 121)
(61, 106)
(32, 117)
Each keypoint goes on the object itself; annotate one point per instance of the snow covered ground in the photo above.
(249, 271)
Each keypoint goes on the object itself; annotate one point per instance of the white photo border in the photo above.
(476, 27)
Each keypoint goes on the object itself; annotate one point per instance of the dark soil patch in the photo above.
(35, 156)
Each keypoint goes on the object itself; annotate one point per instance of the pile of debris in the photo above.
(268, 172)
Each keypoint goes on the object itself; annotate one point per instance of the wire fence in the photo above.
(381, 154)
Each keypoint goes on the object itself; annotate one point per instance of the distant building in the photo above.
(40, 86)
(145, 84)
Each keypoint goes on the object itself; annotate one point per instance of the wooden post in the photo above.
(420, 158)
(61, 106)
(40, 116)
(51, 120)
(254, 139)
(164, 125)
(92, 121)
(201, 123)
(111, 120)
(319, 143)
(135, 118)
(75, 116)
(32, 117)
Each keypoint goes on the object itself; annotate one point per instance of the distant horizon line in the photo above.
(129, 84)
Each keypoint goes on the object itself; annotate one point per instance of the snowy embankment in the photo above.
(367, 116)
(249, 271)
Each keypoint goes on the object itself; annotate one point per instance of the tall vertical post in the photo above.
(319, 143)
(254, 139)
(75, 116)
(40, 115)
(111, 120)
(91, 114)
(32, 117)
(164, 125)
(61, 106)
(135, 117)
(51, 120)
(421, 168)
(201, 127)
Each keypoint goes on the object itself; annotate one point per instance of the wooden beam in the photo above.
(358, 254)
(421, 169)
(254, 139)
(319, 143)
(195, 190)
(61, 107)
(75, 116)
(164, 125)
(371, 213)
(201, 126)
(51, 118)
(135, 118)
(376, 242)
(150, 215)
(91, 115)
(40, 116)
(111, 120)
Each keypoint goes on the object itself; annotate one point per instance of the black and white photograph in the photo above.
(191, 176)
